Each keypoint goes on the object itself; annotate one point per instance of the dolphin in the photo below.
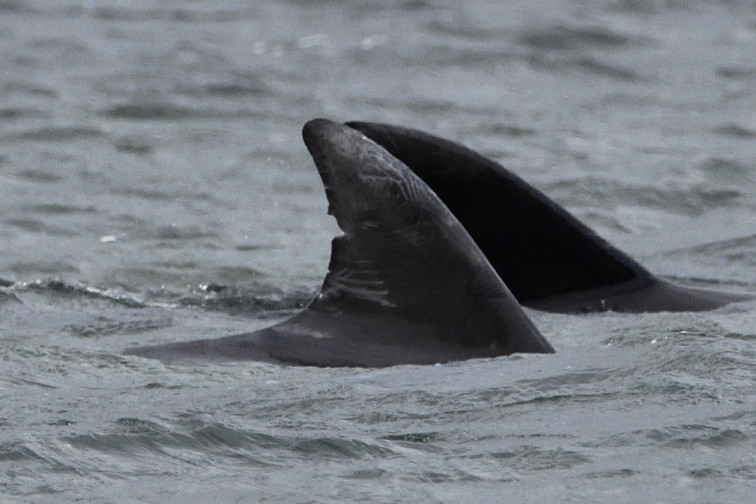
(548, 258)
(406, 283)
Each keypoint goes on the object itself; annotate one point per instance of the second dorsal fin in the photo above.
(538, 248)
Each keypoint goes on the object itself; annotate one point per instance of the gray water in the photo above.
(154, 188)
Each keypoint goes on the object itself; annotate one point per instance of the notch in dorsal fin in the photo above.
(404, 255)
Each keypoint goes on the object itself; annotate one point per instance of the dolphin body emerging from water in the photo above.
(435, 236)
(547, 258)
(406, 283)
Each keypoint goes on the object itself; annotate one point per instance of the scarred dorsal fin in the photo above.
(548, 258)
(403, 254)
(406, 283)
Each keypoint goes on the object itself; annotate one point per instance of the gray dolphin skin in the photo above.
(547, 258)
(406, 283)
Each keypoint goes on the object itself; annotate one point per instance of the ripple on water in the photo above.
(59, 288)
(565, 38)
(104, 326)
(535, 458)
(137, 437)
(692, 436)
(737, 250)
(605, 193)
(143, 111)
(60, 134)
(735, 130)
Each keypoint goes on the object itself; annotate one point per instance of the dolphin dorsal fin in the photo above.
(403, 254)
(537, 247)
(406, 283)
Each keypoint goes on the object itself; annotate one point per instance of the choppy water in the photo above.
(154, 187)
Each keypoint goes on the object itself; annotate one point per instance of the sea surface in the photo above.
(154, 187)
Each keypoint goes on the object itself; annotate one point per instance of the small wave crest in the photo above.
(135, 436)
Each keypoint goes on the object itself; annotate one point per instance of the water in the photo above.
(154, 187)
